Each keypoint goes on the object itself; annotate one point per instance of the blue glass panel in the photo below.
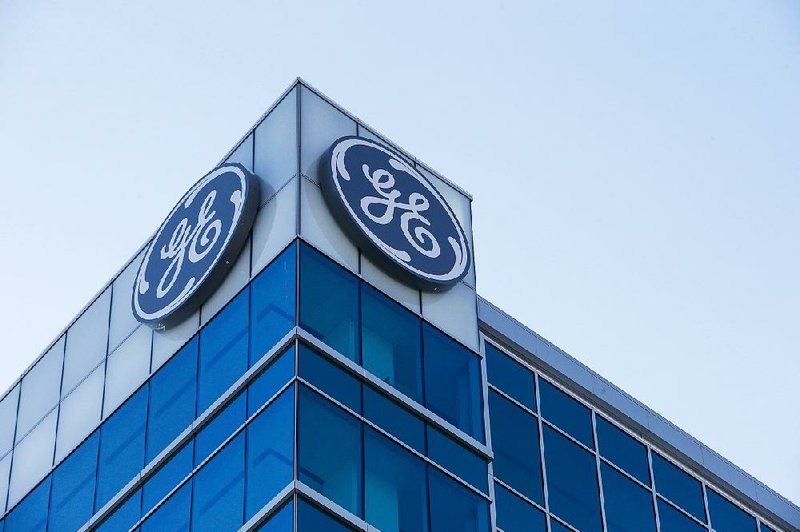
(30, 515)
(270, 452)
(555, 526)
(460, 402)
(766, 528)
(510, 376)
(453, 507)
(223, 351)
(72, 498)
(566, 413)
(516, 515)
(125, 516)
(330, 378)
(329, 302)
(280, 521)
(218, 498)
(678, 487)
(571, 482)
(329, 447)
(174, 515)
(272, 304)
(672, 520)
(394, 486)
(167, 477)
(173, 392)
(269, 381)
(121, 447)
(458, 459)
(726, 516)
(623, 450)
(391, 344)
(515, 442)
(221, 426)
(629, 507)
(312, 519)
(393, 418)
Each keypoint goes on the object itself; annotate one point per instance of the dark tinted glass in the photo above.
(329, 447)
(221, 426)
(571, 482)
(31, 514)
(393, 418)
(515, 442)
(270, 380)
(280, 521)
(453, 507)
(223, 350)
(726, 516)
(125, 516)
(629, 507)
(218, 497)
(623, 450)
(766, 528)
(566, 413)
(173, 396)
(394, 486)
(678, 487)
(272, 305)
(121, 447)
(456, 458)
(312, 519)
(510, 376)
(453, 382)
(72, 498)
(555, 526)
(672, 520)
(173, 515)
(330, 378)
(329, 302)
(516, 515)
(391, 345)
(167, 477)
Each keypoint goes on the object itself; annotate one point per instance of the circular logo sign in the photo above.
(195, 246)
(396, 211)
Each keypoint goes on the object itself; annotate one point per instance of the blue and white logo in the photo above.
(195, 246)
(396, 210)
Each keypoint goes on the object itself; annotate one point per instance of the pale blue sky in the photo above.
(635, 168)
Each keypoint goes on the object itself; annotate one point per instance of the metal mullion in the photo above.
(599, 475)
(541, 449)
(705, 506)
(487, 430)
(653, 488)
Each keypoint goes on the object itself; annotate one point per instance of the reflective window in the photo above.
(167, 477)
(766, 528)
(280, 521)
(272, 304)
(221, 426)
(623, 450)
(394, 486)
(460, 402)
(510, 376)
(329, 302)
(391, 344)
(172, 515)
(459, 460)
(629, 507)
(678, 487)
(86, 342)
(453, 507)
(218, 496)
(515, 442)
(33, 457)
(516, 515)
(270, 380)
(566, 413)
(726, 516)
(79, 413)
(571, 482)
(330, 378)
(555, 526)
(125, 516)
(310, 518)
(8, 419)
(31, 514)
(672, 520)
(40, 390)
(72, 498)
(393, 418)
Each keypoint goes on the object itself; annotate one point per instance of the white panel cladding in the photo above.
(454, 311)
(320, 229)
(320, 124)
(166, 343)
(86, 342)
(127, 367)
(33, 457)
(243, 153)
(122, 321)
(275, 226)
(8, 419)
(276, 147)
(40, 389)
(237, 277)
(80, 413)
(5, 470)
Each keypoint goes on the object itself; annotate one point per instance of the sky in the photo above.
(634, 166)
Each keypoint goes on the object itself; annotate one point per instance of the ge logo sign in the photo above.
(395, 211)
(195, 246)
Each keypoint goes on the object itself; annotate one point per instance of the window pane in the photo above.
(121, 447)
(515, 442)
(629, 507)
(393, 418)
(174, 515)
(218, 498)
(510, 376)
(280, 521)
(223, 351)
(276, 146)
(394, 486)
(312, 519)
(516, 515)
(672, 520)
(125, 516)
(272, 304)
(219, 428)
(72, 498)
(391, 345)
(566, 413)
(40, 391)
(453, 507)
(167, 477)
(571, 482)
(678, 487)
(31, 513)
(555, 526)
(8, 419)
(86, 342)
(33, 457)
(329, 446)
(330, 378)
(623, 450)
(270, 452)
(328, 302)
(79, 413)
(173, 393)
(456, 458)
(766, 528)
(459, 402)
(726, 516)
(270, 380)
(127, 368)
